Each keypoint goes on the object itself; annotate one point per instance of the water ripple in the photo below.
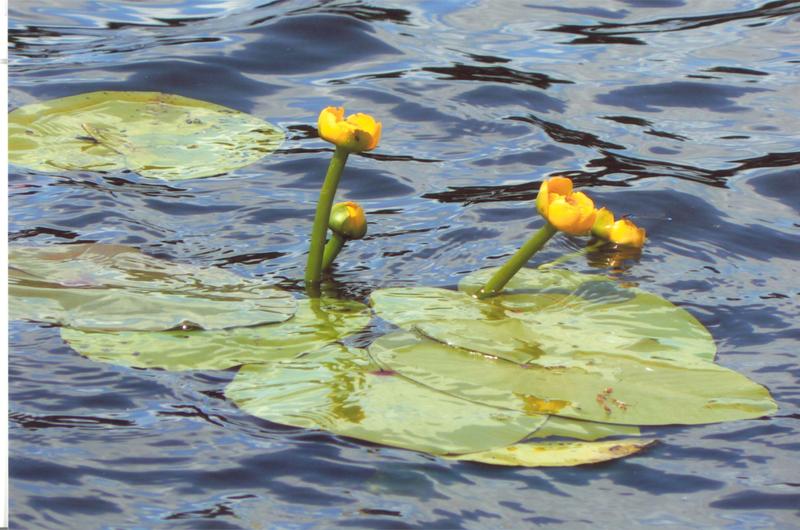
(615, 33)
(682, 115)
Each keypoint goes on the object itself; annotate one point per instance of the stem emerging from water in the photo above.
(320, 229)
(578, 253)
(515, 263)
(332, 249)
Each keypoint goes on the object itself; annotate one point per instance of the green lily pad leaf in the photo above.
(553, 312)
(115, 287)
(602, 312)
(550, 454)
(316, 323)
(586, 386)
(557, 426)
(157, 135)
(342, 391)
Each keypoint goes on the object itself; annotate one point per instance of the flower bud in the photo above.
(348, 220)
(602, 223)
(622, 232)
(625, 232)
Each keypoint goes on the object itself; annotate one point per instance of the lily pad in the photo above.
(550, 454)
(342, 391)
(316, 323)
(600, 387)
(157, 135)
(115, 287)
(552, 312)
(557, 426)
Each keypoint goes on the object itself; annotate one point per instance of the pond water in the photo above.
(682, 114)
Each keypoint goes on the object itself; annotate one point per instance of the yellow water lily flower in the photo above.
(603, 222)
(568, 211)
(359, 132)
(348, 220)
(622, 232)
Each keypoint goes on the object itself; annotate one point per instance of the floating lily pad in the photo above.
(316, 323)
(342, 391)
(552, 312)
(157, 135)
(549, 454)
(115, 287)
(592, 386)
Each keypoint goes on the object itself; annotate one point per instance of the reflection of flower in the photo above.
(568, 211)
(359, 132)
(622, 232)
(348, 378)
(618, 258)
(348, 219)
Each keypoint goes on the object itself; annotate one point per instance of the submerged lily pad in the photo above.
(156, 135)
(316, 323)
(552, 312)
(594, 386)
(115, 287)
(550, 454)
(342, 391)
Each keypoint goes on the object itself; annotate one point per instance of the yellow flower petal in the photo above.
(375, 137)
(361, 121)
(567, 211)
(587, 212)
(327, 122)
(602, 223)
(562, 214)
(560, 185)
(543, 199)
(548, 191)
(625, 232)
(573, 213)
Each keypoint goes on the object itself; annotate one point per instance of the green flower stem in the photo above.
(520, 258)
(572, 255)
(332, 249)
(320, 229)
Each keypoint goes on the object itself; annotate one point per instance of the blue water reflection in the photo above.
(682, 115)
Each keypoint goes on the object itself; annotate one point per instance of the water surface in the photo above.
(683, 115)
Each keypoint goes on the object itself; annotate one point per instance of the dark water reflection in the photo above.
(681, 114)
